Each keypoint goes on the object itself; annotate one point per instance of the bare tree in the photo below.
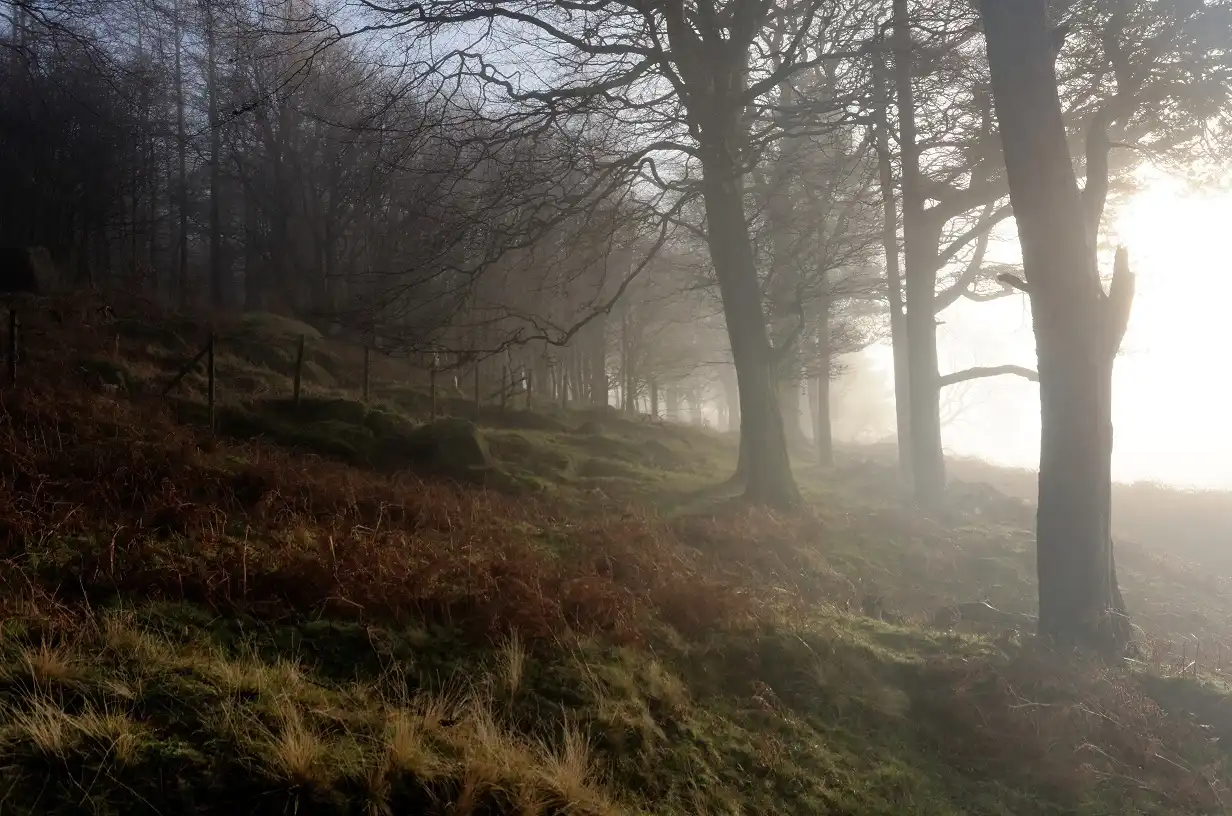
(671, 87)
(1078, 328)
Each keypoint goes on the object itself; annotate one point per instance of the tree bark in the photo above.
(927, 459)
(894, 290)
(181, 141)
(1078, 329)
(764, 464)
(598, 361)
(217, 281)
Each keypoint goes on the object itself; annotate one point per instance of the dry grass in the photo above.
(43, 724)
(103, 498)
(185, 518)
(293, 752)
(114, 729)
(1072, 728)
(572, 775)
(512, 664)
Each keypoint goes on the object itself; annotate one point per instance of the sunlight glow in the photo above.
(1173, 380)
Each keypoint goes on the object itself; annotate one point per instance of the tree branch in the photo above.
(1120, 300)
(980, 372)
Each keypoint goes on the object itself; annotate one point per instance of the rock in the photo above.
(104, 375)
(590, 428)
(453, 446)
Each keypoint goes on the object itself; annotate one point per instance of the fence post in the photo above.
(432, 389)
(299, 370)
(478, 399)
(211, 388)
(13, 325)
(367, 368)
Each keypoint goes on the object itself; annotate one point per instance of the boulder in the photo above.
(453, 446)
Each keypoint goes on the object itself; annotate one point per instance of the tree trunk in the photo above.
(598, 361)
(822, 430)
(181, 141)
(894, 290)
(927, 459)
(672, 407)
(764, 464)
(217, 281)
(1078, 329)
(789, 407)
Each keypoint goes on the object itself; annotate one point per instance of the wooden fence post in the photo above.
(211, 388)
(478, 399)
(367, 370)
(13, 326)
(432, 390)
(299, 370)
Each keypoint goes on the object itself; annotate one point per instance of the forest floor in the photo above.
(290, 616)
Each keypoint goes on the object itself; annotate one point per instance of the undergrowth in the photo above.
(192, 622)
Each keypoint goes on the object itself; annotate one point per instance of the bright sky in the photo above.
(1173, 380)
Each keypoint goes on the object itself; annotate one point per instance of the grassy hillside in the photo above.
(328, 611)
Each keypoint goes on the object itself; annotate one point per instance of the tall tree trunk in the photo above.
(598, 361)
(823, 436)
(764, 464)
(254, 286)
(181, 141)
(927, 459)
(1078, 330)
(218, 284)
(894, 287)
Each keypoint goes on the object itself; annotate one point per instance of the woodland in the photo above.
(601, 264)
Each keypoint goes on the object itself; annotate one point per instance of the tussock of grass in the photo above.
(293, 752)
(513, 664)
(43, 725)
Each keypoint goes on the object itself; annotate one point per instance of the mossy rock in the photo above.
(539, 457)
(597, 468)
(530, 421)
(268, 324)
(387, 424)
(452, 446)
(590, 428)
(104, 374)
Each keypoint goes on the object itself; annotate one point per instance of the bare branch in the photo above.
(981, 372)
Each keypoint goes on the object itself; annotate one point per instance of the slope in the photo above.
(282, 616)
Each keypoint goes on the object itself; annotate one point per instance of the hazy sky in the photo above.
(1173, 380)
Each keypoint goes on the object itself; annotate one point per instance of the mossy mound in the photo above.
(102, 374)
(451, 446)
